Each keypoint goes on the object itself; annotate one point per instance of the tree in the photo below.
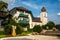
(3, 8)
(12, 22)
(3, 5)
(8, 29)
(37, 28)
(57, 26)
(49, 25)
(19, 29)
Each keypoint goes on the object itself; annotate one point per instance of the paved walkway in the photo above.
(33, 37)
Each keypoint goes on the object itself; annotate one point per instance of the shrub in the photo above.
(37, 28)
(12, 22)
(8, 29)
(49, 25)
(46, 27)
(19, 29)
(57, 26)
(1, 32)
(28, 27)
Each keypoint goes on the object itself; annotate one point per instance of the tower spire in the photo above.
(43, 9)
(43, 16)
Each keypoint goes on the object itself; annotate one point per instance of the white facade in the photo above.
(43, 18)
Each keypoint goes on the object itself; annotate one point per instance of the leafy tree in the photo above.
(49, 25)
(7, 29)
(57, 26)
(23, 24)
(37, 28)
(19, 29)
(12, 22)
(3, 5)
(3, 8)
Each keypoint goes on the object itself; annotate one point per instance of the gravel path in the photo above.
(33, 37)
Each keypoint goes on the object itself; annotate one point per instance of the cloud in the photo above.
(31, 5)
(38, 16)
(58, 14)
(58, 0)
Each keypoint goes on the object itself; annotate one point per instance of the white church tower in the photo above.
(43, 16)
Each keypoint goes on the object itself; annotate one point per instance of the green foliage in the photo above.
(12, 22)
(23, 25)
(2, 36)
(26, 32)
(44, 26)
(57, 26)
(28, 26)
(37, 28)
(3, 8)
(8, 29)
(19, 29)
(1, 32)
(49, 25)
(3, 5)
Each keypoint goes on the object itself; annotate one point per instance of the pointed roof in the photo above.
(43, 9)
(20, 8)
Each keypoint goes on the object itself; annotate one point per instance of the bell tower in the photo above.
(43, 16)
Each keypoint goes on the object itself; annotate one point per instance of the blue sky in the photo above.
(52, 7)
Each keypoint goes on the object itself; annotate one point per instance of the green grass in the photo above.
(2, 36)
(25, 33)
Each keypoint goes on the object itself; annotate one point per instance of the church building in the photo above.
(23, 15)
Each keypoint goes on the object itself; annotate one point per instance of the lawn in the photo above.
(2, 36)
(25, 33)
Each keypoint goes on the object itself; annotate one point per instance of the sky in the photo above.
(52, 7)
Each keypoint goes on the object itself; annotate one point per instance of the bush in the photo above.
(49, 25)
(37, 28)
(19, 29)
(12, 22)
(46, 27)
(1, 32)
(28, 28)
(57, 26)
(8, 29)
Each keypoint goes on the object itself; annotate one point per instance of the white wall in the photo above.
(32, 24)
(43, 17)
(37, 23)
(29, 17)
